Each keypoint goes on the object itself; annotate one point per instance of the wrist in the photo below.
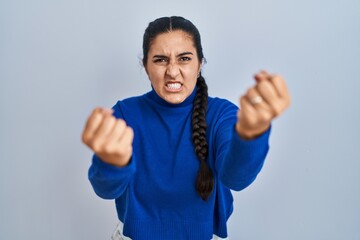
(115, 160)
(249, 134)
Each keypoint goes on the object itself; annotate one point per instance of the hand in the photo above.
(261, 104)
(110, 138)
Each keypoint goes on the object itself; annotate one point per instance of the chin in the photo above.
(175, 100)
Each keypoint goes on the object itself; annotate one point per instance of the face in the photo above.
(173, 66)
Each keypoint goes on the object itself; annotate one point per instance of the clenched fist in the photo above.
(110, 138)
(261, 104)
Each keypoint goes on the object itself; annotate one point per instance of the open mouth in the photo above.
(173, 86)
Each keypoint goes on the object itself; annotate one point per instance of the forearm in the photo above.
(244, 160)
(109, 181)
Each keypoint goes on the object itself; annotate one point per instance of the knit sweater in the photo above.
(155, 193)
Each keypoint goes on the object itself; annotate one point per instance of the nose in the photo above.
(173, 70)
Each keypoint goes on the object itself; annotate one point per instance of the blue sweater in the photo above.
(155, 194)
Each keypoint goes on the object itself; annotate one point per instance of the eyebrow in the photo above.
(179, 55)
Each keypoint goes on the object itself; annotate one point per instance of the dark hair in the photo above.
(205, 179)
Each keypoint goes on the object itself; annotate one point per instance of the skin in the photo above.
(255, 119)
(172, 59)
(110, 138)
(172, 68)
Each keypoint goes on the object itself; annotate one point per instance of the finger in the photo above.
(247, 113)
(284, 96)
(280, 85)
(110, 144)
(267, 91)
(261, 76)
(124, 145)
(96, 117)
(264, 109)
(117, 132)
(107, 111)
(107, 124)
(92, 124)
(277, 80)
(256, 99)
(128, 137)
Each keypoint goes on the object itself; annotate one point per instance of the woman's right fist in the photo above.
(110, 138)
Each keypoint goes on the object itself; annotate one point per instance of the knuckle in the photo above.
(122, 151)
(130, 149)
(107, 148)
(261, 84)
(251, 119)
(130, 131)
(249, 91)
(277, 77)
(242, 99)
(111, 120)
(264, 86)
(96, 146)
(96, 111)
(266, 116)
(90, 143)
(107, 119)
(84, 138)
(277, 110)
(120, 123)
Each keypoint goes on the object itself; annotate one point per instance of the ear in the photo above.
(200, 66)
(145, 68)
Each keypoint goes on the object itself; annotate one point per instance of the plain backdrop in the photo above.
(60, 59)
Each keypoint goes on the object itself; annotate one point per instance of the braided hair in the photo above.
(205, 180)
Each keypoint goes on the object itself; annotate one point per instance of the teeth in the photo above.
(174, 85)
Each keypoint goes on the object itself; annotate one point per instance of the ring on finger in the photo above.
(256, 100)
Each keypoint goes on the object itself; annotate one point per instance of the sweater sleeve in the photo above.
(244, 160)
(108, 181)
(238, 161)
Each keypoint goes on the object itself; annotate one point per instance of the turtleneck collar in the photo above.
(155, 97)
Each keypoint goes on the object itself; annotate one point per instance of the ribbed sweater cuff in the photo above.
(244, 160)
(109, 181)
(109, 171)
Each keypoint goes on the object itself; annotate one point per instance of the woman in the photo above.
(170, 157)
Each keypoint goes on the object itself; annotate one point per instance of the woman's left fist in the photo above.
(261, 104)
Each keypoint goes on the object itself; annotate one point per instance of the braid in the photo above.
(205, 179)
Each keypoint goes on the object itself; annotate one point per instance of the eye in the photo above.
(185, 59)
(160, 60)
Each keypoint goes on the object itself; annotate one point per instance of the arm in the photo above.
(113, 163)
(109, 181)
(243, 160)
(249, 141)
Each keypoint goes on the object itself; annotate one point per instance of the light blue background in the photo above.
(60, 59)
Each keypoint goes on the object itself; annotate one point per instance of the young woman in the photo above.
(170, 157)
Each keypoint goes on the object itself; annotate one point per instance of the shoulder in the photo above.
(127, 105)
(220, 110)
(130, 101)
(221, 104)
